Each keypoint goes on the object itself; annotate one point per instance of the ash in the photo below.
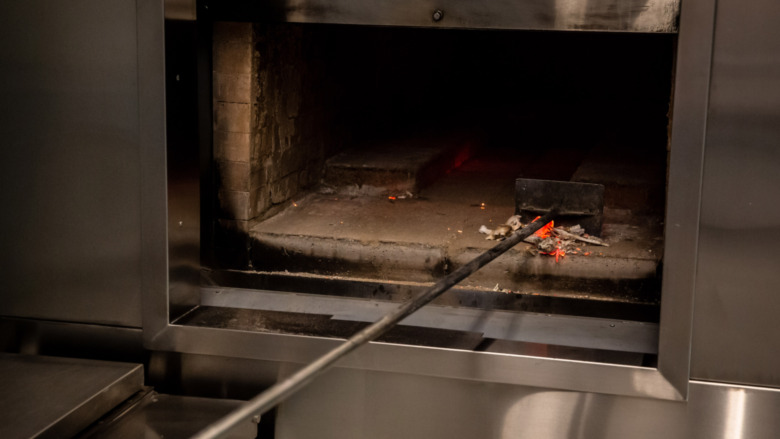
(549, 240)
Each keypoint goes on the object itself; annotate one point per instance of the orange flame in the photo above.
(546, 230)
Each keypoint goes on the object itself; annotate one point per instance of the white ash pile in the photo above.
(549, 240)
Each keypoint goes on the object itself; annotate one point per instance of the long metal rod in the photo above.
(281, 391)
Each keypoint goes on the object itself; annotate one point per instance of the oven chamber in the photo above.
(236, 306)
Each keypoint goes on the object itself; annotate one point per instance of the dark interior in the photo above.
(570, 106)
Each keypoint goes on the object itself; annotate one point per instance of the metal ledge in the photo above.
(439, 362)
(583, 332)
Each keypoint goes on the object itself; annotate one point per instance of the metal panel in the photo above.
(152, 151)
(58, 397)
(69, 166)
(692, 85)
(348, 404)
(609, 15)
(735, 323)
(481, 366)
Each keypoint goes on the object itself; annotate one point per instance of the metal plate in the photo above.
(171, 417)
(69, 168)
(578, 203)
(58, 397)
(347, 404)
(735, 315)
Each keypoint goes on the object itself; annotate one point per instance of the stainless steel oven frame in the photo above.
(167, 220)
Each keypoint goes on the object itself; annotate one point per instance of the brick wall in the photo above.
(275, 121)
(234, 64)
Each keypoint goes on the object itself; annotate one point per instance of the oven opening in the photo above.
(355, 165)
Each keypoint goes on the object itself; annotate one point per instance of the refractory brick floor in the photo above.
(364, 232)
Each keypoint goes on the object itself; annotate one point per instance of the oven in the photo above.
(223, 221)
(329, 162)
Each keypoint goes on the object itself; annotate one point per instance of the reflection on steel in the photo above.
(735, 414)
(180, 10)
(603, 15)
(281, 391)
(441, 408)
(445, 409)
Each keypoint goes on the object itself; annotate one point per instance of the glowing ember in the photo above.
(558, 253)
(546, 230)
(391, 198)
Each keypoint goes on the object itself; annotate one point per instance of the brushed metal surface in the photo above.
(161, 416)
(357, 404)
(69, 165)
(593, 333)
(686, 157)
(58, 397)
(347, 403)
(735, 321)
(605, 15)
